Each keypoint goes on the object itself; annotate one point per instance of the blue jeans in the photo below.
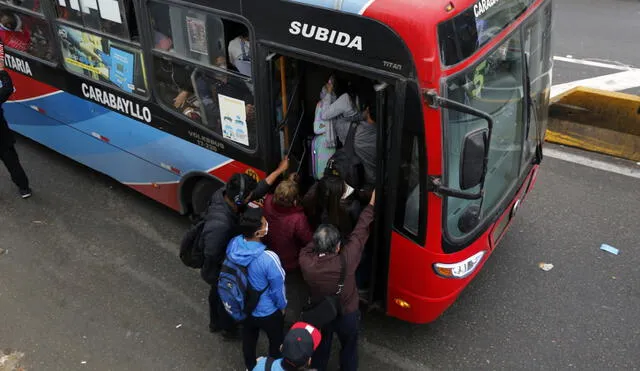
(347, 328)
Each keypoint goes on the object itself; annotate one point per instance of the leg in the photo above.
(297, 294)
(273, 325)
(225, 321)
(214, 324)
(348, 328)
(250, 333)
(320, 358)
(10, 158)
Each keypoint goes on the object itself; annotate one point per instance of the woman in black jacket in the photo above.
(332, 201)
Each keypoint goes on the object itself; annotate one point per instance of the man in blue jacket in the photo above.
(265, 274)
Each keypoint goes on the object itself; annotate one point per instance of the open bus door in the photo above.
(388, 109)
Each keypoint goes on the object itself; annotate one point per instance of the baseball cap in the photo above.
(300, 343)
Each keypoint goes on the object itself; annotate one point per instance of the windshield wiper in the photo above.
(532, 104)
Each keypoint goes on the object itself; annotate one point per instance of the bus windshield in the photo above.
(494, 85)
(467, 32)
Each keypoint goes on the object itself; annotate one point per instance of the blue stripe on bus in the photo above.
(130, 141)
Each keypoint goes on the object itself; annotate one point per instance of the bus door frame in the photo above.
(389, 139)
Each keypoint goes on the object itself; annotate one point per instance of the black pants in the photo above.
(347, 327)
(273, 325)
(297, 294)
(218, 316)
(9, 156)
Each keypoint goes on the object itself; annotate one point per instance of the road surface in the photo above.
(605, 32)
(91, 275)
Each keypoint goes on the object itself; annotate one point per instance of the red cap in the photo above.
(300, 343)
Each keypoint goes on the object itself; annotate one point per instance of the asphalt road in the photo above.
(91, 275)
(593, 30)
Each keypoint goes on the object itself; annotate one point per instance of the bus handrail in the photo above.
(286, 117)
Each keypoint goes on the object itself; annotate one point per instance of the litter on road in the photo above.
(11, 361)
(609, 249)
(545, 266)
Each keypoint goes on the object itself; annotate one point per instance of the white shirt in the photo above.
(235, 50)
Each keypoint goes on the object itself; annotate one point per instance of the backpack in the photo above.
(237, 295)
(320, 155)
(345, 163)
(191, 247)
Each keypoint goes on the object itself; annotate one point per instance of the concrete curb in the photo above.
(596, 120)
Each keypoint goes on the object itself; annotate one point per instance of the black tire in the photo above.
(201, 196)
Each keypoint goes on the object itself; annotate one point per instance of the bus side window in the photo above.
(108, 16)
(227, 104)
(193, 73)
(103, 59)
(174, 88)
(25, 33)
(189, 33)
(32, 5)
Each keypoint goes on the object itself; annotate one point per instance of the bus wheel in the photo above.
(201, 195)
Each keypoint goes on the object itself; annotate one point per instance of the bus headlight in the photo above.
(461, 269)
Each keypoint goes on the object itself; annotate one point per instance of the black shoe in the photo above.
(25, 192)
(214, 328)
(231, 334)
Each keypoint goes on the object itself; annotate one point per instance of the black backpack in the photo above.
(192, 246)
(345, 163)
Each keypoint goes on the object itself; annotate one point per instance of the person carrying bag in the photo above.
(327, 309)
(326, 260)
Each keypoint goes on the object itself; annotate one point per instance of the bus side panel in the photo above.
(93, 153)
(152, 160)
(137, 138)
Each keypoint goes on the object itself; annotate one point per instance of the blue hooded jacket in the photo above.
(264, 270)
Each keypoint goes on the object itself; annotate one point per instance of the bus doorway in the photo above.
(307, 98)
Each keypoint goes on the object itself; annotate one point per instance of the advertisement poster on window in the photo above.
(84, 53)
(197, 35)
(102, 60)
(233, 117)
(121, 71)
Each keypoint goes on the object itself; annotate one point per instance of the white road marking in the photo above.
(630, 171)
(613, 82)
(585, 62)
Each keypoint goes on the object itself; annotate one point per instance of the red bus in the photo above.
(172, 97)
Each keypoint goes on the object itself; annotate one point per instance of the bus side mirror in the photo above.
(472, 164)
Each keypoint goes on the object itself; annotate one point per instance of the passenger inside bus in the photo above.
(343, 110)
(239, 52)
(200, 40)
(209, 88)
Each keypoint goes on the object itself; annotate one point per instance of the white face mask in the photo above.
(266, 229)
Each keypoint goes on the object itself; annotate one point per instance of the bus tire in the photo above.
(201, 195)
